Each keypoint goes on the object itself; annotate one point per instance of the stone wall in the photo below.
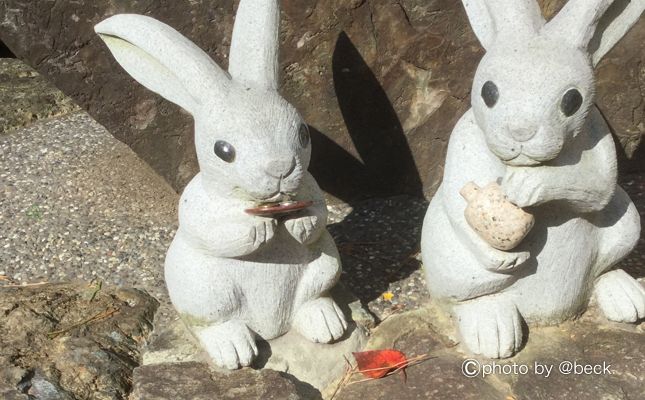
(381, 82)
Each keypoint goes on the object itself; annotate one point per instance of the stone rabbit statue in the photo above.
(534, 129)
(234, 276)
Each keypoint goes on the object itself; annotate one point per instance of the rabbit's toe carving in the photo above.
(505, 261)
(262, 231)
(320, 320)
(231, 345)
(303, 228)
(490, 326)
(620, 297)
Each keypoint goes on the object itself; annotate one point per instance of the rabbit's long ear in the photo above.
(492, 18)
(253, 59)
(596, 25)
(162, 60)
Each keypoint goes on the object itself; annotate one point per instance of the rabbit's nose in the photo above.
(523, 134)
(281, 168)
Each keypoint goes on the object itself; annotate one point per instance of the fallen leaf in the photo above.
(388, 296)
(376, 364)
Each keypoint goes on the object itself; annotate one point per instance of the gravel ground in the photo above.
(378, 241)
(77, 204)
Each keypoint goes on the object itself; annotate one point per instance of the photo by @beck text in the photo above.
(472, 368)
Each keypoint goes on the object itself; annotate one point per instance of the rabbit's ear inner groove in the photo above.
(303, 136)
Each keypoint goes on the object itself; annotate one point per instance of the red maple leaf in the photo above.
(376, 364)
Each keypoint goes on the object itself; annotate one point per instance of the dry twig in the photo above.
(97, 317)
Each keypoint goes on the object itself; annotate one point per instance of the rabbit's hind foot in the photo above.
(490, 326)
(620, 297)
(230, 345)
(320, 320)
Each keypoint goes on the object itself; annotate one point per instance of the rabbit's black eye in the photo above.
(571, 102)
(490, 94)
(225, 151)
(303, 135)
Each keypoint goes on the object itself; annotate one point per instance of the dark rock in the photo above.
(71, 341)
(195, 381)
(381, 83)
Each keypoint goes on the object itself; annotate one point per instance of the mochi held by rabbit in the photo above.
(534, 128)
(232, 275)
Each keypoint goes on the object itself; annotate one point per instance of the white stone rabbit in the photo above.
(235, 277)
(533, 127)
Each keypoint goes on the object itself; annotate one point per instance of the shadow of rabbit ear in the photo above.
(5, 52)
(373, 126)
(336, 170)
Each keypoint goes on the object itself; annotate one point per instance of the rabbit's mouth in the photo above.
(515, 156)
(276, 198)
(521, 160)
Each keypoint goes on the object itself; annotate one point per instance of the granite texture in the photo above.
(499, 222)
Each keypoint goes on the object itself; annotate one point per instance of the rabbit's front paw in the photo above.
(524, 186)
(620, 297)
(230, 345)
(303, 229)
(262, 231)
(504, 261)
(490, 326)
(320, 320)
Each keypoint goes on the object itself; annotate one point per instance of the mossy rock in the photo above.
(25, 96)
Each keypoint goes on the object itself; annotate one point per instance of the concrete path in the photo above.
(76, 204)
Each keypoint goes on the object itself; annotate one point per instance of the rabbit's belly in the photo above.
(259, 290)
(269, 292)
(559, 286)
